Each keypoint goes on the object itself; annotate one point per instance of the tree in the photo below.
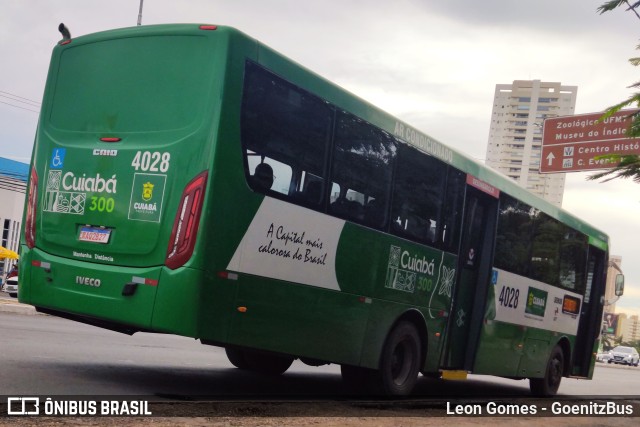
(628, 166)
(607, 342)
(614, 4)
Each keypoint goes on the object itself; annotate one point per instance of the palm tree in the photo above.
(628, 166)
(614, 4)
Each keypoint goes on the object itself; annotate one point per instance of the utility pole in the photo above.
(140, 13)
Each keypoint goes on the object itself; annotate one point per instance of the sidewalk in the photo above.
(11, 305)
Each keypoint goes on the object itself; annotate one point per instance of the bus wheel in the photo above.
(267, 363)
(400, 360)
(236, 357)
(548, 386)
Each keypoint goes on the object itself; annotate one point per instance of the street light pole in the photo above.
(140, 13)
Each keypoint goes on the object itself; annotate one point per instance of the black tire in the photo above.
(267, 363)
(236, 357)
(400, 360)
(548, 386)
(13, 294)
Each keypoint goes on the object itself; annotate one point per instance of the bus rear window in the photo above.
(131, 85)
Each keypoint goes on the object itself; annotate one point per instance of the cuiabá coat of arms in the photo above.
(147, 191)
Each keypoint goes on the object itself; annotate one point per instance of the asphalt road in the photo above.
(48, 355)
(188, 383)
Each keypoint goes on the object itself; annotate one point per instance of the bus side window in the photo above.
(290, 128)
(533, 244)
(417, 196)
(545, 249)
(514, 235)
(573, 260)
(362, 167)
(452, 209)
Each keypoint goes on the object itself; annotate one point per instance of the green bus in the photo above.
(187, 179)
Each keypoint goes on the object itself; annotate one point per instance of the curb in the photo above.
(9, 306)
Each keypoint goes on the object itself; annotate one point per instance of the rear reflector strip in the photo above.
(208, 27)
(144, 281)
(41, 264)
(227, 275)
(110, 139)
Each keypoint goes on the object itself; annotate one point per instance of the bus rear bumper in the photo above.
(106, 293)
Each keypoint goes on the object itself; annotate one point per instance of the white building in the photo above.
(13, 183)
(515, 136)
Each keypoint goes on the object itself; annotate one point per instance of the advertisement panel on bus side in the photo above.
(522, 301)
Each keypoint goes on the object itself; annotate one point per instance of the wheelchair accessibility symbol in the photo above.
(57, 158)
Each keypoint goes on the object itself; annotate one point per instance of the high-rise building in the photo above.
(515, 137)
(628, 328)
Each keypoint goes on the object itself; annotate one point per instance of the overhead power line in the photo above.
(8, 96)
(16, 106)
(19, 98)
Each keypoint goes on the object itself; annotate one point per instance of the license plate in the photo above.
(94, 234)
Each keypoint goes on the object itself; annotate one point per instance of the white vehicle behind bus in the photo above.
(624, 355)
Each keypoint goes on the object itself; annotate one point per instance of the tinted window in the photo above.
(532, 244)
(287, 134)
(513, 242)
(573, 260)
(452, 210)
(288, 129)
(427, 200)
(361, 171)
(417, 196)
(545, 249)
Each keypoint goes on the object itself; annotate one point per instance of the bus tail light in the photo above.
(32, 205)
(185, 225)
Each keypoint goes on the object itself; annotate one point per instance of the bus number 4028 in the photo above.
(509, 297)
(147, 161)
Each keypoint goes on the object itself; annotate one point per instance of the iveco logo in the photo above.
(88, 281)
(103, 152)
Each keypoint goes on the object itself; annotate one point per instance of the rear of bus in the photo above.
(121, 163)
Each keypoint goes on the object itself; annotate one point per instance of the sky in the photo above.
(433, 64)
